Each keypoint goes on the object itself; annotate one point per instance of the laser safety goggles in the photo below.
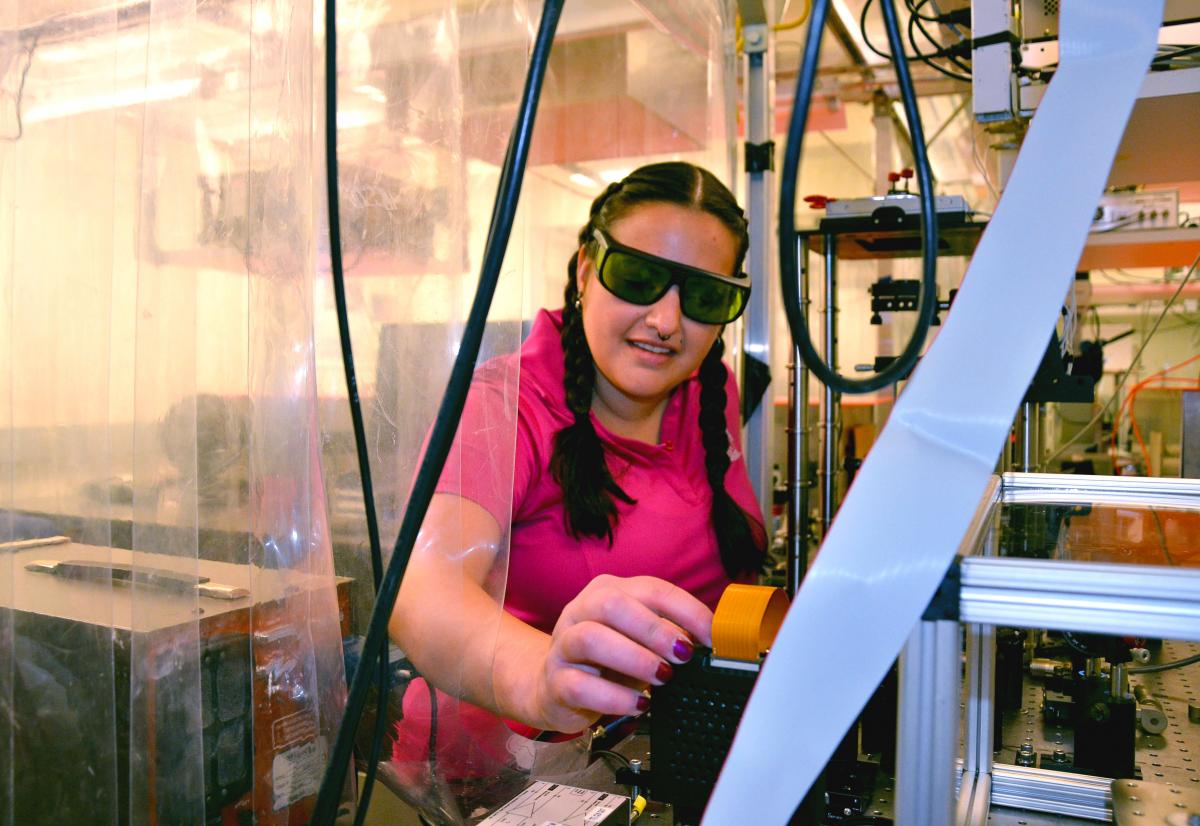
(641, 278)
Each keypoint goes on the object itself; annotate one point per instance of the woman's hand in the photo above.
(611, 642)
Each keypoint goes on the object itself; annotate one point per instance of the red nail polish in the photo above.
(643, 703)
(682, 650)
(665, 672)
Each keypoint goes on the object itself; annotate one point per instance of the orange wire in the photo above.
(1165, 381)
(1128, 402)
(1178, 382)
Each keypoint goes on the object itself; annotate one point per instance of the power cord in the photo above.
(449, 412)
(356, 417)
(788, 263)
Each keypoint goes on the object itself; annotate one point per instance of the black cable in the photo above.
(356, 417)
(919, 56)
(788, 264)
(862, 28)
(1154, 669)
(950, 53)
(449, 412)
(610, 753)
(914, 9)
(1164, 60)
(927, 59)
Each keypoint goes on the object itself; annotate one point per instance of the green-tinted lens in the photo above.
(634, 279)
(711, 301)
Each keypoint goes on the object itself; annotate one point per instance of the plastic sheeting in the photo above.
(159, 173)
(627, 83)
(172, 399)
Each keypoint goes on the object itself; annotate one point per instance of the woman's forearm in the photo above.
(462, 641)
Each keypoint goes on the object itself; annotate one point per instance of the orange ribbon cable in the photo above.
(746, 621)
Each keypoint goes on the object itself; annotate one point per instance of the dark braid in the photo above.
(739, 553)
(577, 462)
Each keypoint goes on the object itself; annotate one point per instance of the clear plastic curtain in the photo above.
(177, 657)
(168, 348)
(427, 102)
(652, 83)
(57, 673)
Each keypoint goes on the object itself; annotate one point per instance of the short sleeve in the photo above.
(482, 463)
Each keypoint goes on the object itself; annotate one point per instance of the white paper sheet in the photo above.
(911, 502)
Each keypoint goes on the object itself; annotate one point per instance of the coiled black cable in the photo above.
(356, 417)
(449, 412)
(788, 262)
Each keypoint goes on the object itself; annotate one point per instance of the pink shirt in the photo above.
(668, 533)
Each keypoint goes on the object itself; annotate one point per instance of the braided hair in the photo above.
(577, 462)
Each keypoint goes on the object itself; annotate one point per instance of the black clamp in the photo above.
(948, 596)
(760, 157)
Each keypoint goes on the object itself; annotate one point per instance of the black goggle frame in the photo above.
(680, 274)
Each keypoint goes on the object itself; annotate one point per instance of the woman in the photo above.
(631, 509)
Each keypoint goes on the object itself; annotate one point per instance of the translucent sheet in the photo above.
(159, 394)
(168, 348)
(434, 89)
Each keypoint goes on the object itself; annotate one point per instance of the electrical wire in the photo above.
(1160, 667)
(796, 22)
(788, 262)
(1162, 537)
(915, 25)
(982, 169)
(1132, 364)
(611, 753)
(918, 55)
(360, 435)
(1165, 382)
(449, 411)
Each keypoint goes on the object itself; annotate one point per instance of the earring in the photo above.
(578, 302)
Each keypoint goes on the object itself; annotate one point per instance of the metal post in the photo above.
(758, 444)
(974, 792)
(1026, 456)
(832, 400)
(798, 437)
(927, 739)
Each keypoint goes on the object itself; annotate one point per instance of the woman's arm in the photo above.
(616, 637)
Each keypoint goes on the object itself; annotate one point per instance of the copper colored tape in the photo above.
(746, 621)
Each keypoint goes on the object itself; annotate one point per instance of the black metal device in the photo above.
(692, 722)
(901, 295)
(1052, 382)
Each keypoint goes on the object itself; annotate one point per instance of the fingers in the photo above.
(581, 697)
(658, 615)
(616, 637)
(595, 644)
(673, 603)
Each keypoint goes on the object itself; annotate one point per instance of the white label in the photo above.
(552, 804)
(296, 773)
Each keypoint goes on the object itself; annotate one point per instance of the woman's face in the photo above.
(642, 352)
